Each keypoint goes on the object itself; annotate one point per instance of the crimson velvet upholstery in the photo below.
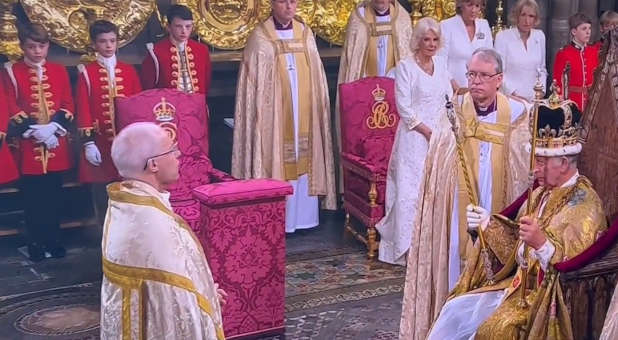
(246, 251)
(587, 280)
(369, 121)
(185, 117)
(240, 223)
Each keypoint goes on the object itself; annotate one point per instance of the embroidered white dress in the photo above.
(420, 99)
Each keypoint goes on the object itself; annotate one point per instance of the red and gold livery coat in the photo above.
(161, 67)
(96, 115)
(40, 101)
(583, 61)
(8, 169)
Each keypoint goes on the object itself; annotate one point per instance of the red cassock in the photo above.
(44, 101)
(161, 67)
(583, 62)
(8, 170)
(96, 114)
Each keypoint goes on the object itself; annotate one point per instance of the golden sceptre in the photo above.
(538, 98)
(450, 112)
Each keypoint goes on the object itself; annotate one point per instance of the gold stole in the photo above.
(376, 30)
(475, 132)
(294, 165)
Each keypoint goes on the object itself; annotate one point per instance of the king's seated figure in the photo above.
(523, 299)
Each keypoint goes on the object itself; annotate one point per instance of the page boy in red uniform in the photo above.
(99, 82)
(582, 57)
(41, 109)
(177, 61)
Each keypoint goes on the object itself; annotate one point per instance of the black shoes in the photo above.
(57, 251)
(35, 252)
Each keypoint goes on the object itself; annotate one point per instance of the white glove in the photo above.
(92, 153)
(476, 216)
(27, 133)
(51, 142)
(43, 131)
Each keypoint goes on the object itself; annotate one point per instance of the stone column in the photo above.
(558, 33)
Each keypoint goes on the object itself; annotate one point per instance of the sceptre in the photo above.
(450, 112)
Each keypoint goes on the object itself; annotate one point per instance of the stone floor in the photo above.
(332, 291)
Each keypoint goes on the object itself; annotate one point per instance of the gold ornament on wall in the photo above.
(437, 9)
(499, 26)
(8, 30)
(67, 21)
(329, 18)
(226, 24)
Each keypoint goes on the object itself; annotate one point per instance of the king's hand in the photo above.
(530, 232)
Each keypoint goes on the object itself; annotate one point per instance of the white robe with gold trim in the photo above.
(156, 280)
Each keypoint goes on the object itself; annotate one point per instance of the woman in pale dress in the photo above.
(523, 51)
(463, 34)
(421, 83)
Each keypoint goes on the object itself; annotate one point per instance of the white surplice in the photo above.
(458, 47)
(382, 45)
(301, 210)
(461, 317)
(522, 65)
(485, 192)
(420, 99)
(157, 283)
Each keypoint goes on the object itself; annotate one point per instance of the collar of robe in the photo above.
(484, 111)
(382, 14)
(281, 27)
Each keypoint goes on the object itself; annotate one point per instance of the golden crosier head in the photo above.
(378, 94)
(164, 111)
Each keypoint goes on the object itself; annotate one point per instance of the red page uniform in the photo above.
(583, 61)
(8, 170)
(184, 68)
(98, 84)
(42, 96)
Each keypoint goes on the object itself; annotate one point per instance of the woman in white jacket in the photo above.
(462, 35)
(523, 51)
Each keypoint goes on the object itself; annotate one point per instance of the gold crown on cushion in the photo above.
(164, 111)
(558, 129)
(378, 93)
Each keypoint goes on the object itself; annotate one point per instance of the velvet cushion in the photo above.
(222, 193)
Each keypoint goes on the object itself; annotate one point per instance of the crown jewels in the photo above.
(164, 111)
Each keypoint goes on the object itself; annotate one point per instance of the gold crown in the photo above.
(164, 111)
(558, 136)
(378, 93)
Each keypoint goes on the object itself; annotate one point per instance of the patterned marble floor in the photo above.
(332, 291)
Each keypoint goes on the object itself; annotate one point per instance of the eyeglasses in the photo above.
(174, 149)
(481, 75)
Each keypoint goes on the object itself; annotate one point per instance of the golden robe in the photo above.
(355, 55)
(572, 219)
(427, 276)
(260, 148)
(156, 280)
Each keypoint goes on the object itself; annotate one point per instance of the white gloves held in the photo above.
(51, 142)
(92, 153)
(476, 216)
